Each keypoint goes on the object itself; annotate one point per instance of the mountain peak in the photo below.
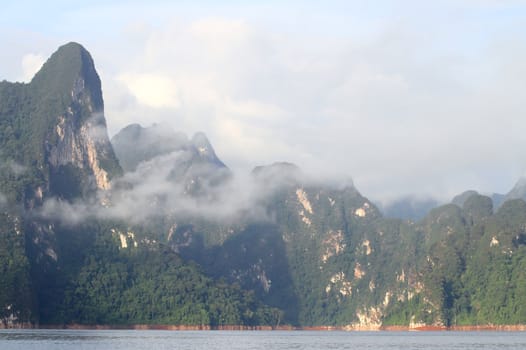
(205, 149)
(60, 129)
(159, 139)
(70, 71)
(201, 142)
(281, 167)
(460, 199)
(282, 172)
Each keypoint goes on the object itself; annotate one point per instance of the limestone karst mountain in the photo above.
(153, 228)
(54, 127)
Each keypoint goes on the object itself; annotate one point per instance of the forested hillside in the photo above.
(153, 228)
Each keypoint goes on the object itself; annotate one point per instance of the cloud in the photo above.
(3, 200)
(66, 212)
(97, 127)
(155, 190)
(405, 98)
(152, 90)
(16, 168)
(177, 180)
(13, 167)
(351, 110)
(31, 64)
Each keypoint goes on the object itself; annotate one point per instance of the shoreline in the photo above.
(423, 328)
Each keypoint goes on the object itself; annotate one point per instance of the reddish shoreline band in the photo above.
(512, 328)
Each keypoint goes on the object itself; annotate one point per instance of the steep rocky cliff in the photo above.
(77, 147)
(54, 127)
(54, 144)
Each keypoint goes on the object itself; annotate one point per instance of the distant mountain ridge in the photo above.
(518, 191)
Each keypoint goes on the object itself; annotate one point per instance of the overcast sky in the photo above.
(404, 97)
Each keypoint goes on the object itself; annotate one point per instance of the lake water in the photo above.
(256, 340)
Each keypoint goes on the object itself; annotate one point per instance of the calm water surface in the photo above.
(257, 340)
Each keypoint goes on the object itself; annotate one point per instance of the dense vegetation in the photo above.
(148, 284)
(16, 298)
(473, 266)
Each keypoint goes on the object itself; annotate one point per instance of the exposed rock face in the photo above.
(82, 148)
(79, 137)
(368, 319)
(333, 245)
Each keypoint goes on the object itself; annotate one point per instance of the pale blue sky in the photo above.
(404, 96)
